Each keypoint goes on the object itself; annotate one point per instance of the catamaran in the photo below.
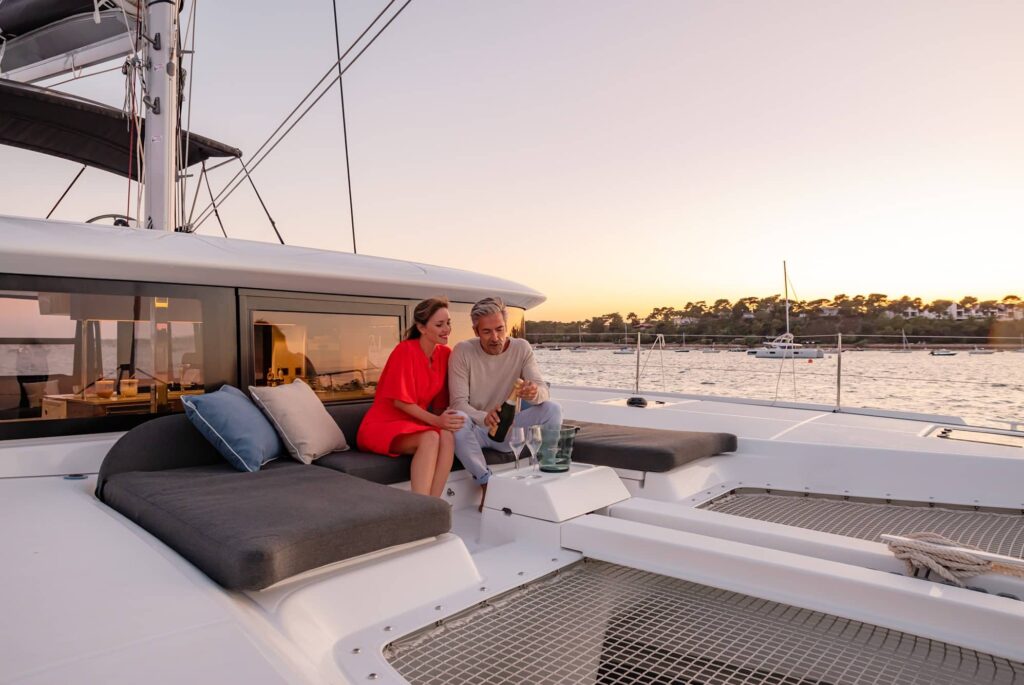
(784, 346)
(694, 539)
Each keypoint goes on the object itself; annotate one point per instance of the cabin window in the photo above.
(340, 356)
(100, 355)
(338, 346)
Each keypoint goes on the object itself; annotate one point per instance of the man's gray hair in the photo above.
(486, 307)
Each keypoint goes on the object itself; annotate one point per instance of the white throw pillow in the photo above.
(306, 429)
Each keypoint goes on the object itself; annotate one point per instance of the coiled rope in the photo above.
(952, 560)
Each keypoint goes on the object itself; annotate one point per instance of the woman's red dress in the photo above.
(408, 376)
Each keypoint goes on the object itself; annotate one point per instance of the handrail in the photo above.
(836, 345)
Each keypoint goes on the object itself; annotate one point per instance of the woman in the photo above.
(414, 380)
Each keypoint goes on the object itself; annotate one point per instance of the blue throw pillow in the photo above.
(235, 426)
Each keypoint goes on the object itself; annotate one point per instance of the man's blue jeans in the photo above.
(471, 439)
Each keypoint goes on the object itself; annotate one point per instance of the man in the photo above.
(481, 374)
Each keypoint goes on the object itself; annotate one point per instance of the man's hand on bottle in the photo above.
(528, 391)
(491, 420)
(450, 420)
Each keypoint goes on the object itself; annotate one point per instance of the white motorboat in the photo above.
(943, 352)
(783, 347)
(696, 539)
(981, 350)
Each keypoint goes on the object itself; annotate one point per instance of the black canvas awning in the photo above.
(21, 16)
(80, 130)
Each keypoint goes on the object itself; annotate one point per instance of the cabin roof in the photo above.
(56, 248)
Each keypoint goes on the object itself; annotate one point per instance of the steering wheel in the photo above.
(119, 219)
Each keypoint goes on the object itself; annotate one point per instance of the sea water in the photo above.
(982, 389)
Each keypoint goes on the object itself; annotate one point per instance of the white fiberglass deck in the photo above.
(95, 599)
(90, 598)
(800, 424)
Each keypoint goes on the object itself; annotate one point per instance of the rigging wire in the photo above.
(215, 212)
(262, 204)
(183, 160)
(306, 97)
(135, 80)
(233, 184)
(66, 191)
(195, 196)
(344, 129)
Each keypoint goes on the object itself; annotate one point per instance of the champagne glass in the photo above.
(534, 439)
(517, 441)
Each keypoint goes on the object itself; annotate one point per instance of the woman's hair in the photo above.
(421, 315)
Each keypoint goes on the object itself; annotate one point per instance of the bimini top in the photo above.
(82, 131)
(56, 248)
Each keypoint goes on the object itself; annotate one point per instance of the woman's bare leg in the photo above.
(445, 456)
(423, 446)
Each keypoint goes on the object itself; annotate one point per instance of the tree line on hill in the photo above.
(752, 319)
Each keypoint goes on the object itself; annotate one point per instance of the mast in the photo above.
(161, 145)
(785, 285)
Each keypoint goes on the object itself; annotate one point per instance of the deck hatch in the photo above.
(994, 530)
(610, 625)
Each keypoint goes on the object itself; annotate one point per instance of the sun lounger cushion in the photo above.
(248, 531)
(168, 442)
(645, 449)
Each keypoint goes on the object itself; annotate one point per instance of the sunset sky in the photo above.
(623, 155)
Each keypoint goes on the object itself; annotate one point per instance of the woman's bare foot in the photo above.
(483, 496)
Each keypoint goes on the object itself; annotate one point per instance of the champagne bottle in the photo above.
(507, 413)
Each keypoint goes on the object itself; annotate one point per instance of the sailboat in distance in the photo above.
(783, 347)
(905, 349)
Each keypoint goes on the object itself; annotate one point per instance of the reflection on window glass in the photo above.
(516, 322)
(339, 355)
(462, 326)
(82, 355)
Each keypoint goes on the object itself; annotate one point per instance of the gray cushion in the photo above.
(168, 442)
(348, 416)
(645, 449)
(249, 530)
(378, 468)
(383, 469)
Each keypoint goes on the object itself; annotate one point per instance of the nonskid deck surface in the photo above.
(1001, 532)
(606, 624)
